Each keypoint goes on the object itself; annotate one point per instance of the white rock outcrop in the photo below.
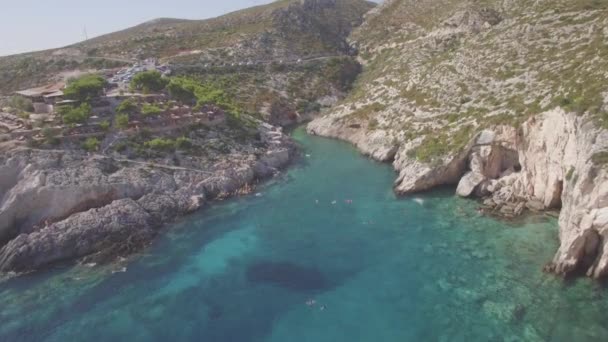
(59, 205)
(469, 183)
(547, 163)
(415, 176)
(436, 73)
(376, 144)
(558, 171)
(555, 170)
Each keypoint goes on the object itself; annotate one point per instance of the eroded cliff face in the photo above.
(62, 205)
(53, 185)
(551, 161)
(505, 99)
(563, 157)
(558, 159)
(376, 144)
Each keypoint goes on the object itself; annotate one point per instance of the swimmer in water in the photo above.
(419, 201)
(122, 270)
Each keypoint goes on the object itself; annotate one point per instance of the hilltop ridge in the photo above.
(285, 29)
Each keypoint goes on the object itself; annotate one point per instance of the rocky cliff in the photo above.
(281, 63)
(62, 205)
(559, 165)
(505, 99)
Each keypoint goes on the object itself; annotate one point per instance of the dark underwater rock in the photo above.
(287, 275)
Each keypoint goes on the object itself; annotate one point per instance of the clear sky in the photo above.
(27, 25)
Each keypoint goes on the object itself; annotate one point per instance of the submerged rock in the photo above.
(287, 275)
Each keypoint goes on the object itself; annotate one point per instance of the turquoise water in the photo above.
(293, 265)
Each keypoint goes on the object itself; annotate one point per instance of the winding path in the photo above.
(97, 156)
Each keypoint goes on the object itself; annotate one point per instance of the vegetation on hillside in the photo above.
(297, 87)
(35, 69)
(21, 103)
(122, 120)
(72, 115)
(149, 81)
(188, 90)
(434, 67)
(91, 144)
(285, 24)
(150, 110)
(285, 30)
(85, 88)
(127, 106)
(168, 144)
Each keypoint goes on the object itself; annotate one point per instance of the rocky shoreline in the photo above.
(65, 205)
(548, 163)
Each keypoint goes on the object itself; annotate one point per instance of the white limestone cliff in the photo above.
(557, 152)
(547, 163)
(61, 205)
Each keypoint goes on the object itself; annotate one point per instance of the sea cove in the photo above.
(325, 252)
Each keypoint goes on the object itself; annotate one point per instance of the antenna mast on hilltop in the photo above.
(86, 36)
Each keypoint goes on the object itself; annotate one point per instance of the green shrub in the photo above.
(160, 144)
(151, 110)
(74, 115)
(373, 124)
(582, 104)
(122, 120)
(570, 173)
(91, 144)
(104, 125)
(127, 106)
(149, 81)
(182, 90)
(600, 158)
(189, 91)
(50, 136)
(21, 103)
(452, 118)
(602, 118)
(183, 143)
(85, 88)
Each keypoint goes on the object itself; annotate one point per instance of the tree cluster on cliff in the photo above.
(85, 88)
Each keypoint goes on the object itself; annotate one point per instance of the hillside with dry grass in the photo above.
(285, 30)
(438, 71)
